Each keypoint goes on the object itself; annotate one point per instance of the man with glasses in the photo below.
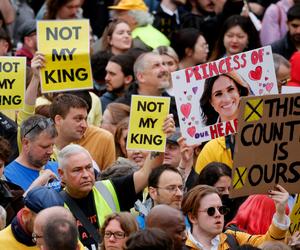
(18, 235)
(37, 137)
(203, 207)
(165, 186)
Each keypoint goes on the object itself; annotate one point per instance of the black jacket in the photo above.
(284, 47)
(166, 23)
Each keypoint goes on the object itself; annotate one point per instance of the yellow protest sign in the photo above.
(12, 82)
(147, 115)
(295, 217)
(65, 45)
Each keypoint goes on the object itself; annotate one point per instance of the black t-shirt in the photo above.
(124, 187)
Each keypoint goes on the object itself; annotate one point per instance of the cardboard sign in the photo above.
(267, 145)
(295, 217)
(254, 67)
(147, 116)
(12, 82)
(65, 45)
(290, 89)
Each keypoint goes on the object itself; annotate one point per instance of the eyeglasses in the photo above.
(35, 237)
(117, 235)
(42, 124)
(173, 189)
(212, 210)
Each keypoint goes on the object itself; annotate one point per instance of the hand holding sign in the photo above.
(169, 125)
(37, 62)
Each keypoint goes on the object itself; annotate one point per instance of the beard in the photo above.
(118, 91)
(38, 163)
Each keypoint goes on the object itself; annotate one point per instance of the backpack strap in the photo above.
(106, 194)
(232, 242)
(77, 212)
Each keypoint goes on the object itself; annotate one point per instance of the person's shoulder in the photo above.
(96, 131)
(13, 166)
(220, 141)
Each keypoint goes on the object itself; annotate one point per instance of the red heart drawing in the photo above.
(255, 74)
(191, 131)
(269, 86)
(266, 78)
(186, 109)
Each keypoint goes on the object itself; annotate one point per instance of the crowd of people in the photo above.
(67, 179)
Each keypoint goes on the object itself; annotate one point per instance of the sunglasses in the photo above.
(42, 124)
(212, 210)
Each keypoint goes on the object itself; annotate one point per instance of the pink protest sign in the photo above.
(254, 68)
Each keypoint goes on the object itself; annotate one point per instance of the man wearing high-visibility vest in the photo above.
(77, 173)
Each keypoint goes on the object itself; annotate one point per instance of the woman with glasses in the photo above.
(116, 229)
(205, 211)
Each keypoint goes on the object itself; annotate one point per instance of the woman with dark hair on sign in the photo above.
(237, 35)
(220, 103)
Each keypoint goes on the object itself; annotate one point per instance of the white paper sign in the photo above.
(255, 67)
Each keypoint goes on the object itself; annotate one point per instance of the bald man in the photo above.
(171, 221)
(44, 217)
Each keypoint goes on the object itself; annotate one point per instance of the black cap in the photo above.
(27, 28)
(174, 137)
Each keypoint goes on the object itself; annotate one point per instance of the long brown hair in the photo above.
(107, 33)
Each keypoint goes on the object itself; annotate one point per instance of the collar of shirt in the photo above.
(170, 12)
(215, 241)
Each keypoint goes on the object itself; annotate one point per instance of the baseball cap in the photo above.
(174, 137)
(27, 28)
(130, 5)
(40, 198)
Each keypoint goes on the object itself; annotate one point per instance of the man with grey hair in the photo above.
(95, 200)
(152, 79)
(38, 134)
